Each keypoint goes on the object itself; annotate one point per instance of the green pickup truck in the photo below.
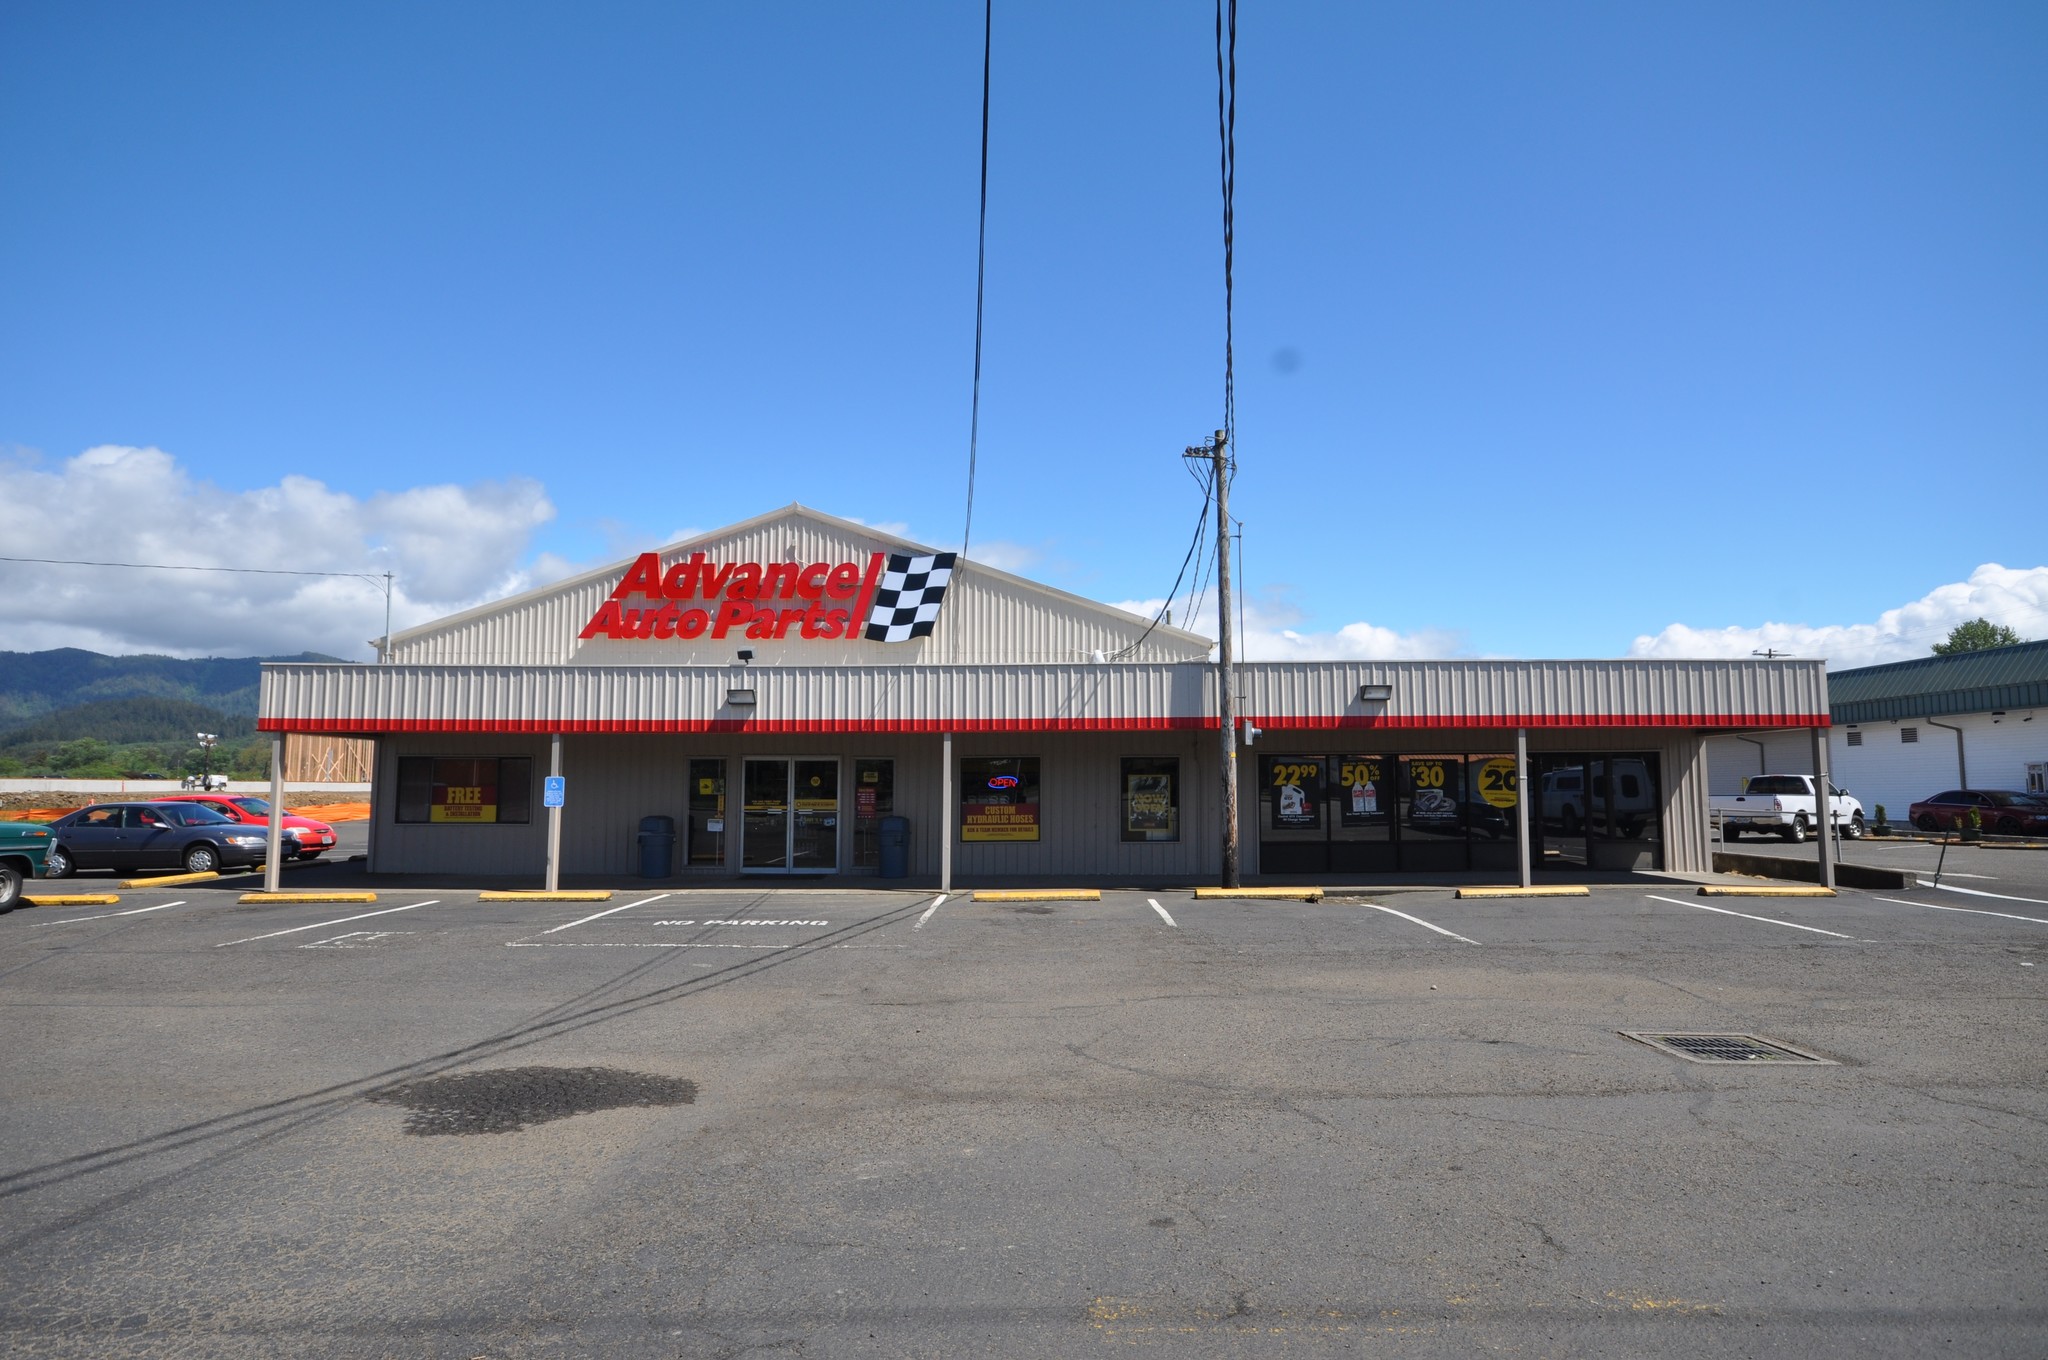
(23, 846)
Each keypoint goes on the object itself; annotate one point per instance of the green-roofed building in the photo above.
(1909, 729)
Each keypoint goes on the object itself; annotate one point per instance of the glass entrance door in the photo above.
(791, 811)
(814, 821)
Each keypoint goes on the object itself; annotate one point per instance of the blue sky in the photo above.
(1561, 331)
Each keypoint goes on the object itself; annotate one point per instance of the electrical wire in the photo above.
(177, 566)
(988, 13)
(1201, 526)
(1226, 131)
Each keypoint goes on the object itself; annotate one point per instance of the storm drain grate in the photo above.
(1726, 1048)
(508, 1099)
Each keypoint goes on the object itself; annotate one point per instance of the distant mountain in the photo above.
(33, 684)
(123, 721)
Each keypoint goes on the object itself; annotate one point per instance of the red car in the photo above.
(2001, 812)
(304, 838)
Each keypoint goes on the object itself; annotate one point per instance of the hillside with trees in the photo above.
(80, 714)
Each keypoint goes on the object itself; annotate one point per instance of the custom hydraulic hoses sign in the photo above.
(892, 597)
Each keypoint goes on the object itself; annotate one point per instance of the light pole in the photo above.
(206, 744)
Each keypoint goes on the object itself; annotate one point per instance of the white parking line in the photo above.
(1162, 912)
(1747, 917)
(606, 912)
(928, 912)
(1973, 911)
(321, 925)
(1979, 892)
(136, 911)
(1419, 921)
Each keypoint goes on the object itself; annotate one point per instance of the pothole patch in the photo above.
(508, 1099)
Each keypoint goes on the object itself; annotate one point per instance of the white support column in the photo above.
(1522, 798)
(945, 812)
(554, 817)
(1823, 807)
(273, 857)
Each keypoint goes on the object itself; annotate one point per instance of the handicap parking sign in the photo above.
(552, 790)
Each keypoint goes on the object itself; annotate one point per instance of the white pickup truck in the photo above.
(1781, 805)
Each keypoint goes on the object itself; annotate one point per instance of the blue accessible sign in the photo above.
(553, 791)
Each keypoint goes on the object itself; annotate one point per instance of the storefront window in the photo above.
(707, 813)
(874, 797)
(1433, 812)
(999, 798)
(1151, 798)
(1362, 840)
(465, 791)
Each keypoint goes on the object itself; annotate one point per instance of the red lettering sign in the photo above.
(828, 600)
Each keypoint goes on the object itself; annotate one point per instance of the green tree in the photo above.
(1975, 636)
(77, 756)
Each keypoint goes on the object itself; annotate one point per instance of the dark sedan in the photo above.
(149, 836)
(2002, 812)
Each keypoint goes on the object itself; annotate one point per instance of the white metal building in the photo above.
(1908, 730)
(780, 687)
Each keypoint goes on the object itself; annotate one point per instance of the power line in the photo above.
(988, 13)
(1173, 593)
(1226, 132)
(381, 581)
(181, 566)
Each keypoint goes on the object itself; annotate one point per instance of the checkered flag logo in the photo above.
(907, 601)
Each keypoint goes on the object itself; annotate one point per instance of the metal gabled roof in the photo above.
(1968, 682)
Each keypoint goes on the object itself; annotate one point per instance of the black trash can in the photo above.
(657, 846)
(893, 839)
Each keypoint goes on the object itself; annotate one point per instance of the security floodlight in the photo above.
(1375, 694)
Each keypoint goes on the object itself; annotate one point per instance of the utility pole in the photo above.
(1218, 452)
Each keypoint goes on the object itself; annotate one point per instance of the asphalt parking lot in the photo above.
(735, 1122)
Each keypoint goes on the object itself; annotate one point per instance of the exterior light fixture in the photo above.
(1375, 694)
(740, 698)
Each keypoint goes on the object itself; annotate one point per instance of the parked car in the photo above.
(2002, 812)
(304, 837)
(153, 835)
(1782, 805)
(23, 848)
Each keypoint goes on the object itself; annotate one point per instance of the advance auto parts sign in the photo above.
(892, 597)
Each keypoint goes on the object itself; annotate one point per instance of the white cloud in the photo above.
(1269, 633)
(2017, 598)
(448, 547)
(1011, 557)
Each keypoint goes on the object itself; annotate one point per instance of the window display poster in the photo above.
(1148, 802)
(465, 791)
(999, 799)
(1497, 783)
(1296, 794)
(1363, 798)
(1433, 790)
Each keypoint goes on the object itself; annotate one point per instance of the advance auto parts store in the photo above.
(1027, 735)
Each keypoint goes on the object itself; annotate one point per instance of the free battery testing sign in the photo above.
(554, 791)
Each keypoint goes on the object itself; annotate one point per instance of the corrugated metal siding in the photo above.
(342, 698)
(986, 617)
(1533, 693)
(614, 781)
